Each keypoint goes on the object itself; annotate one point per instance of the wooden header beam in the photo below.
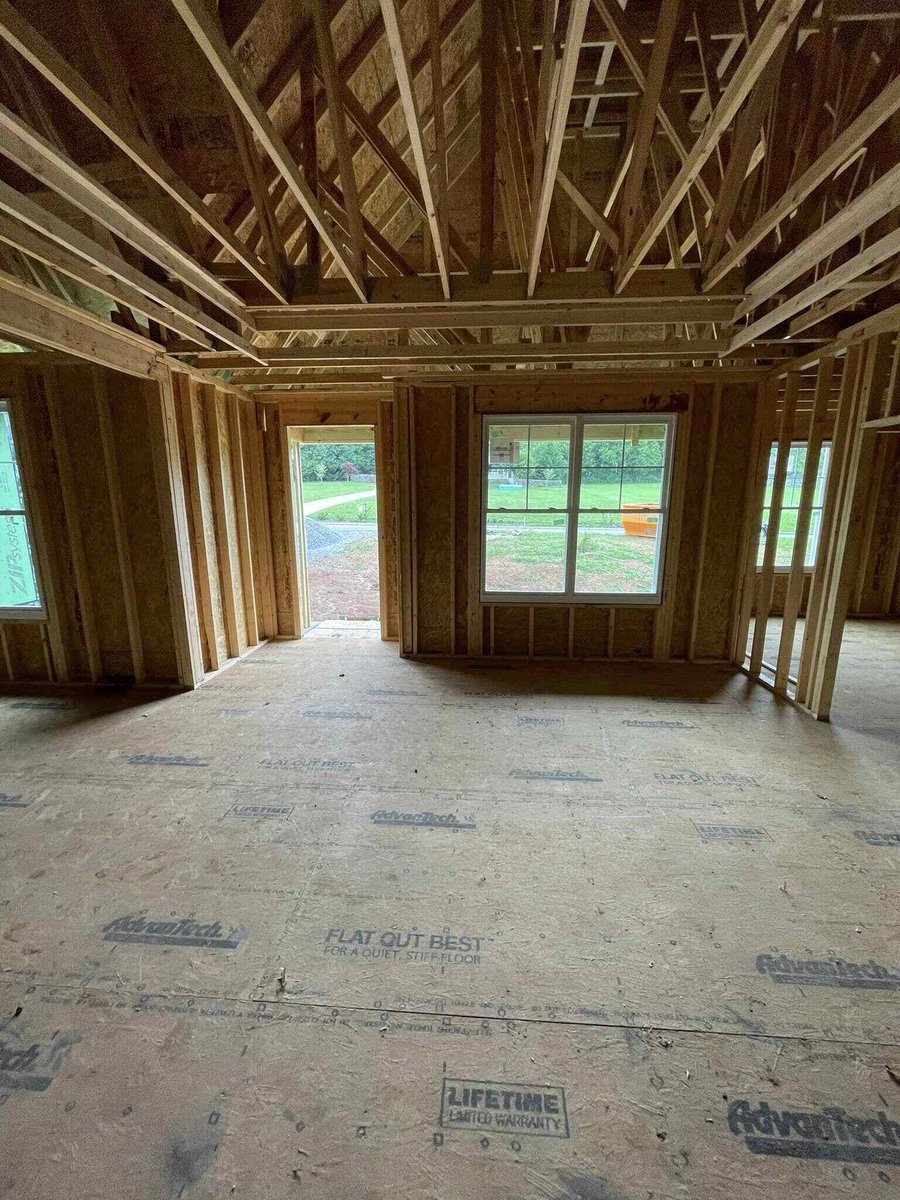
(36, 318)
(457, 354)
(662, 285)
(336, 383)
(460, 315)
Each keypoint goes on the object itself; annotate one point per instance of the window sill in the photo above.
(22, 614)
(623, 600)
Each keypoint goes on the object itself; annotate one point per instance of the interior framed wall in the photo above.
(439, 468)
(858, 557)
(220, 442)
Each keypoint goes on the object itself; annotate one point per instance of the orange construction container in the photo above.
(638, 522)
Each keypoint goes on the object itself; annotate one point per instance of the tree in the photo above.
(332, 455)
(348, 469)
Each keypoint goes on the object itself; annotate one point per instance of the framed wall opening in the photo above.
(334, 494)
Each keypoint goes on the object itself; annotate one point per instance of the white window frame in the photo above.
(14, 613)
(576, 423)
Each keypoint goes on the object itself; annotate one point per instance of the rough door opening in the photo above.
(335, 500)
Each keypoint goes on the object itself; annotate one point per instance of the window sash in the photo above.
(573, 511)
(815, 510)
(22, 612)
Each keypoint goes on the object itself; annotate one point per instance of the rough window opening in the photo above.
(575, 507)
(790, 508)
(335, 498)
(20, 595)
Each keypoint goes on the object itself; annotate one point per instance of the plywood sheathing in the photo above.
(230, 519)
(443, 480)
(87, 605)
(39, 430)
(112, 581)
(877, 590)
(193, 442)
(145, 543)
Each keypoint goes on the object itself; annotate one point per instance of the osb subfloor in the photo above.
(338, 925)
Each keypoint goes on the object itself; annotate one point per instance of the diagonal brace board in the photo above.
(408, 100)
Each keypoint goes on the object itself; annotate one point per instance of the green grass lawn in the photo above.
(356, 510)
(554, 495)
(532, 561)
(314, 490)
(593, 495)
(787, 527)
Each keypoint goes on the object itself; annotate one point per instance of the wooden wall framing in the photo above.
(858, 558)
(164, 533)
(223, 456)
(106, 507)
(151, 527)
(438, 449)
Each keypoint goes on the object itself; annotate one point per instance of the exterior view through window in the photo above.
(787, 525)
(19, 593)
(575, 507)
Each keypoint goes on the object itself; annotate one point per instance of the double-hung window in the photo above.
(575, 507)
(790, 506)
(19, 592)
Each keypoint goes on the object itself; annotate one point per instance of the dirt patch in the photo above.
(505, 574)
(346, 584)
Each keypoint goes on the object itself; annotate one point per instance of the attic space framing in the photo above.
(299, 194)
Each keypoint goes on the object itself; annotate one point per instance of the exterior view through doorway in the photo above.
(334, 494)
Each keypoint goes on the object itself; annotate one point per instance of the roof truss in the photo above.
(553, 181)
